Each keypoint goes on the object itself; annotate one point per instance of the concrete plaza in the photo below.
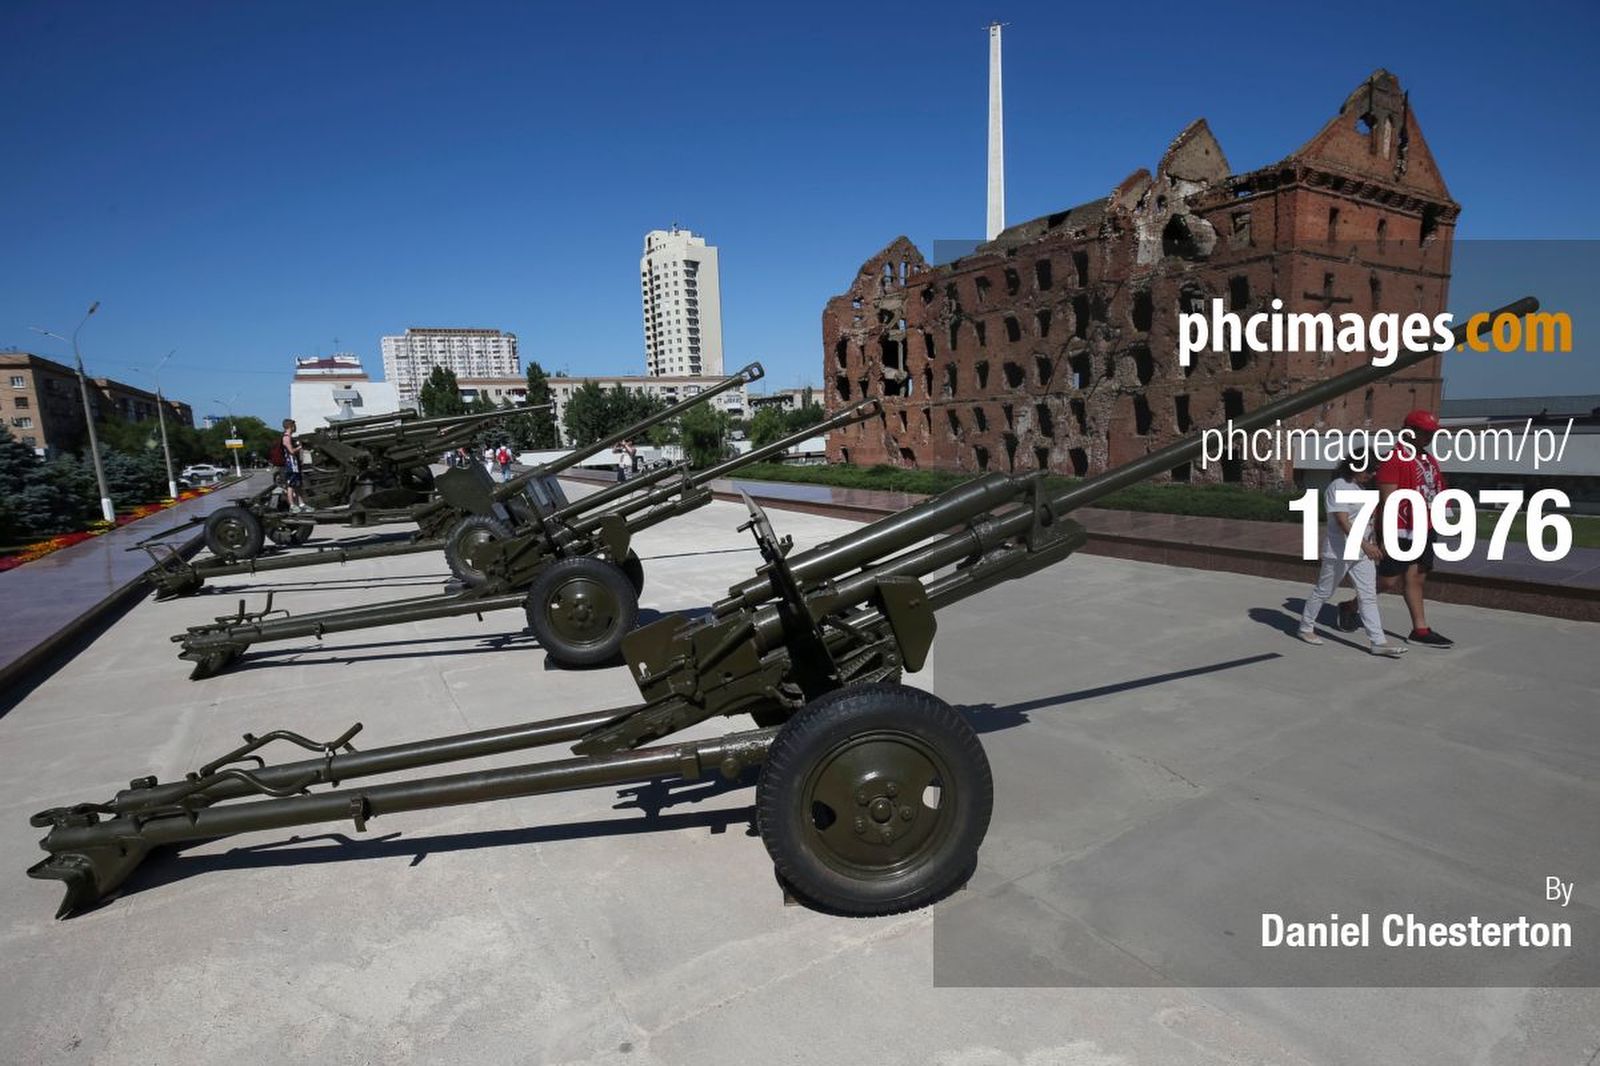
(1167, 758)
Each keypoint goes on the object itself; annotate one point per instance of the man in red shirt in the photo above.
(1420, 473)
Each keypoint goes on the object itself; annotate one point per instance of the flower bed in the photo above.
(39, 549)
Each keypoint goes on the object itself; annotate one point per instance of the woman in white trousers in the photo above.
(1362, 570)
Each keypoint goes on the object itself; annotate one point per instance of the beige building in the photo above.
(40, 403)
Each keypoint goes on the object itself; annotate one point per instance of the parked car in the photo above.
(200, 473)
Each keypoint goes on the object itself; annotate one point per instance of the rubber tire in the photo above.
(633, 569)
(302, 533)
(784, 819)
(455, 550)
(557, 647)
(249, 549)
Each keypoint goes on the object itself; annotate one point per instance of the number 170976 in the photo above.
(1452, 516)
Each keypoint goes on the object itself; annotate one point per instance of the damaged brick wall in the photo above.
(1054, 345)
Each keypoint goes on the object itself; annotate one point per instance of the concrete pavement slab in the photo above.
(1131, 713)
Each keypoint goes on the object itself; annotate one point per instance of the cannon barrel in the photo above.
(405, 414)
(977, 498)
(423, 447)
(863, 410)
(418, 429)
(612, 493)
(745, 375)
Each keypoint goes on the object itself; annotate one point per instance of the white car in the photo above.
(203, 472)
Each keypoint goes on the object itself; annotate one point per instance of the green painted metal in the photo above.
(544, 530)
(798, 647)
(435, 504)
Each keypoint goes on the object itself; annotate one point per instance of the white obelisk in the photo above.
(997, 140)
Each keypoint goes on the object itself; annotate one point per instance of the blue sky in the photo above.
(249, 182)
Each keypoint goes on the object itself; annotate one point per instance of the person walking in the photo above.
(1335, 566)
(502, 458)
(1421, 473)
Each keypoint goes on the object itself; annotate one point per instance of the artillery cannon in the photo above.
(872, 797)
(460, 493)
(569, 566)
(368, 471)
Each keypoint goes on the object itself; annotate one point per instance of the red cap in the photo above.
(1422, 421)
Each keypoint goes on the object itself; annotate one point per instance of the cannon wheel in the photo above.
(874, 800)
(465, 537)
(633, 569)
(580, 609)
(233, 533)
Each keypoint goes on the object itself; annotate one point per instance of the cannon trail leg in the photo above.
(212, 648)
(94, 857)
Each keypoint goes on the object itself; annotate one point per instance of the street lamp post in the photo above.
(161, 417)
(106, 510)
(233, 430)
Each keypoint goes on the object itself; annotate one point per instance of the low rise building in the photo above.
(41, 405)
(497, 390)
(330, 388)
(785, 399)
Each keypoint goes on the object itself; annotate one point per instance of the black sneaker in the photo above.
(1429, 639)
(1349, 616)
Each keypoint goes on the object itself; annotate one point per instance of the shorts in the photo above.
(1388, 567)
(292, 479)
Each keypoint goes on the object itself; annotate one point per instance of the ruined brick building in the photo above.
(1053, 346)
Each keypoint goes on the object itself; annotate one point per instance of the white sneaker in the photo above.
(1309, 636)
(1388, 651)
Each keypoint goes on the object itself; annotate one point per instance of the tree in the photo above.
(768, 425)
(441, 394)
(18, 465)
(807, 414)
(538, 430)
(703, 432)
(41, 499)
(594, 413)
(135, 438)
(258, 439)
(134, 479)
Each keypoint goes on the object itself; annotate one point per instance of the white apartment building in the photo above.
(470, 353)
(682, 297)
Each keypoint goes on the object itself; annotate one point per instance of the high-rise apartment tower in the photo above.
(682, 299)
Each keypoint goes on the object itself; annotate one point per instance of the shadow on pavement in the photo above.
(170, 865)
(988, 718)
